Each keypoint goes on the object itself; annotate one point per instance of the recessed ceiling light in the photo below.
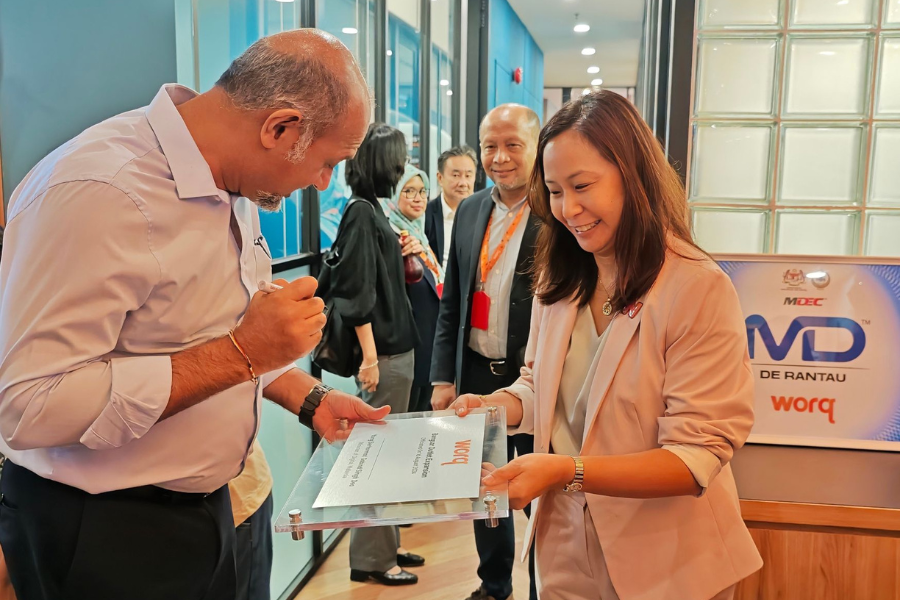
(445, 82)
(585, 91)
(284, 1)
(589, 51)
(596, 82)
(349, 30)
(449, 92)
(593, 70)
(390, 53)
(582, 28)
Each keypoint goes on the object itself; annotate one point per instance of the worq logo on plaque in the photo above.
(823, 338)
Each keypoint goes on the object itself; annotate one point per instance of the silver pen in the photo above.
(268, 287)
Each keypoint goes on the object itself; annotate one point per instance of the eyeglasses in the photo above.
(410, 193)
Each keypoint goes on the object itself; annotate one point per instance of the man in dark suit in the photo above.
(456, 178)
(485, 311)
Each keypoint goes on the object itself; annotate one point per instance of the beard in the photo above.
(268, 201)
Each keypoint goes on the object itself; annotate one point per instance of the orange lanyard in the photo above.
(487, 265)
(427, 257)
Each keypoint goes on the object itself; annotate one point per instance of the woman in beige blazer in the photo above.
(637, 384)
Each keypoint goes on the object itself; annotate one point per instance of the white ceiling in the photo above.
(615, 33)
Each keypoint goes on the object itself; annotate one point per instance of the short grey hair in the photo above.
(264, 78)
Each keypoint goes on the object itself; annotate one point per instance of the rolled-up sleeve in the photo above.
(708, 386)
(523, 387)
(82, 261)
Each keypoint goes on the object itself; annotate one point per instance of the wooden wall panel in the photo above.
(808, 565)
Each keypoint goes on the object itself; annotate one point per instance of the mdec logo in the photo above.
(779, 351)
(803, 301)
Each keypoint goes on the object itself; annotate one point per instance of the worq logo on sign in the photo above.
(822, 339)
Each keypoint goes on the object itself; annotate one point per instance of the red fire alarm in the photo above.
(517, 75)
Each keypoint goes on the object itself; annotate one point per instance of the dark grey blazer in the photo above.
(453, 327)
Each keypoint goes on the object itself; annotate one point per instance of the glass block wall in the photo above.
(795, 141)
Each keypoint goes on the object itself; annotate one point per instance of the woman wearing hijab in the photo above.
(406, 212)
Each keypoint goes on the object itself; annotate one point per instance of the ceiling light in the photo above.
(449, 92)
(585, 91)
(597, 82)
(582, 28)
(445, 82)
(390, 53)
(284, 1)
(593, 70)
(349, 30)
(589, 51)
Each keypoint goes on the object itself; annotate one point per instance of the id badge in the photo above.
(481, 309)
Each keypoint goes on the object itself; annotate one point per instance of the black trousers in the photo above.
(253, 554)
(420, 398)
(497, 547)
(62, 543)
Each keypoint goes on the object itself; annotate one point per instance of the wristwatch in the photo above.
(311, 403)
(578, 481)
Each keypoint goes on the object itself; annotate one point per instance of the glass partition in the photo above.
(796, 113)
(403, 71)
(353, 22)
(443, 84)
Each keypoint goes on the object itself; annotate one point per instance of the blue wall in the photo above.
(66, 65)
(511, 46)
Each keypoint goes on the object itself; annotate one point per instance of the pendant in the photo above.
(607, 307)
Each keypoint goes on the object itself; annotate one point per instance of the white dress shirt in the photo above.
(491, 343)
(119, 253)
(449, 215)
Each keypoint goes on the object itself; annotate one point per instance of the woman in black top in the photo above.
(369, 291)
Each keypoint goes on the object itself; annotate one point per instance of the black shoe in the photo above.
(480, 594)
(410, 560)
(401, 578)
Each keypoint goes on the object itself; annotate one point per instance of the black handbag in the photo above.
(338, 351)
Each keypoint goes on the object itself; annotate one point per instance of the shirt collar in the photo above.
(448, 212)
(495, 196)
(191, 173)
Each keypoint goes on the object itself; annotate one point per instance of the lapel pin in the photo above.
(633, 309)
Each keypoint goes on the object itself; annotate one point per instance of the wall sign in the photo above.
(824, 341)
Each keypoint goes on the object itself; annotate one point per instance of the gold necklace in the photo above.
(607, 306)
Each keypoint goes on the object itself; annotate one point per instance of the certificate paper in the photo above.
(407, 460)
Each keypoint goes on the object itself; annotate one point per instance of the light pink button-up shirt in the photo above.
(119, 253)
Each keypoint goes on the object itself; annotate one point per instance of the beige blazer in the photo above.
(675, 373)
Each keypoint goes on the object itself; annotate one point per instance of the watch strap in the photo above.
(577, 482)
(311, 403)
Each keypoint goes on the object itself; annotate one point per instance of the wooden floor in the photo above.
(449, 573)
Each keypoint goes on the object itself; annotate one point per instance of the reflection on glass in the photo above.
(736, 76)
(731, 231)
(892, 13)
(341, 18)
(816, 232)
(888, 94)
(731, 162)
(881, 234)
(832, 12)
(827, 76)
(884, 183)
(820, 165)
(403, 72)
(740, 13)
(442, 83)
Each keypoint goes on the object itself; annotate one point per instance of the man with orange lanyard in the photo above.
(485, 313)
